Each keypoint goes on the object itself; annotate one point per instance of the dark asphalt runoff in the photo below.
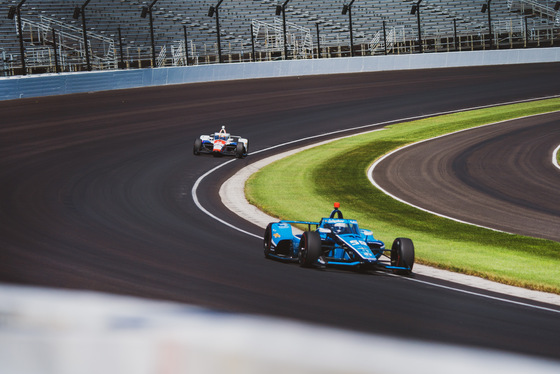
(499, 176)
(96, 195)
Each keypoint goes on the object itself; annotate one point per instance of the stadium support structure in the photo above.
(270, 39)
(69, 43)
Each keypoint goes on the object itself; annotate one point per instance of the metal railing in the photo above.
(533, 6)
(270, 37)
(394, 34)
(162, 56)
(70, 46)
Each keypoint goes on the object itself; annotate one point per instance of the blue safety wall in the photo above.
(69, 83)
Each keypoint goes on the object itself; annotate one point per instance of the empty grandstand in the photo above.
(117, 36)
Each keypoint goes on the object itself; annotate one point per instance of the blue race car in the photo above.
(336, 242)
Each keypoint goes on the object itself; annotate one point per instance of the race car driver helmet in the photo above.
(339, 228)
(223, 135)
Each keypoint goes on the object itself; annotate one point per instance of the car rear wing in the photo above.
(308, 223)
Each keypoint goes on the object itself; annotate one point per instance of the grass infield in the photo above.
(304, 187)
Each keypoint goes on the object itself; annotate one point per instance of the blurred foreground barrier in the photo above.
(45, 331)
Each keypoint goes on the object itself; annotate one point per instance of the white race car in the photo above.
(221, 143)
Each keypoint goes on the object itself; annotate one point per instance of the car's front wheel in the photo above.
(197, 146)
(402, 255)
(309, 249)
(267, 240)
(239, 150)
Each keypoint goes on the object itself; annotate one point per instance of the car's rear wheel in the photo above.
(309, 249)
(402, 255)
(197, 146)
(267, 240)
(239, 150)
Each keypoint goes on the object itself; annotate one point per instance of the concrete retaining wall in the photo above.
(69, 83)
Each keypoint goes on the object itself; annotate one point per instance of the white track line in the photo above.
(483, 295)
(374, 165)
(555, 157)
(197, 202)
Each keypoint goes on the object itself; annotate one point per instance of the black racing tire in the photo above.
(309, 249)
(402, 255)
(239, 150)
(267, 240)
(197, 146)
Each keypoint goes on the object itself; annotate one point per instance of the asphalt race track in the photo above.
(96, 195)
(500, 176)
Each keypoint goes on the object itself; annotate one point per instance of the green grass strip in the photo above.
(304, 187)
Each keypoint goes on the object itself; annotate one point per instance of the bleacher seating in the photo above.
(104, 17)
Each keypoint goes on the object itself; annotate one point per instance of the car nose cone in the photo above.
(218, 145)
